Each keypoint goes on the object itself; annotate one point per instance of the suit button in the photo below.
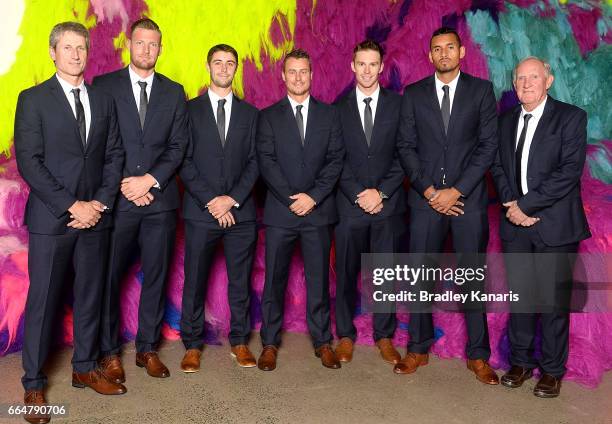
(138, 167)
(369, 156)
(302, 165)
(445, 148)
(85, 157)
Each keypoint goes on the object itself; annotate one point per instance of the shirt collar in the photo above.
(452, 84)
(305, 103)
(537, 112)
(134, 77)
(67, 87)
(214, 97)
(361, 95)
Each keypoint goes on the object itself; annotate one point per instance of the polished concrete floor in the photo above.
(302, 391)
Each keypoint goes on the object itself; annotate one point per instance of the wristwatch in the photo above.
(382, 195)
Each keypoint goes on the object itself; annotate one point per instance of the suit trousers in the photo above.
(50, 258)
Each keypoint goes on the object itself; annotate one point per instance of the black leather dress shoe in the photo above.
(547, 387)
(516, 376)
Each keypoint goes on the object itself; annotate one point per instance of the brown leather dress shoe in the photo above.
(328, 357)
(243, 356)
(387, 351)
(155, 367)
(113, 370)
(35, 398)
(411, 362)
(267, 359)
(191, 360)
(344, 350)
(97, 381)
(484, 373)
(516, 376)
(547, 387)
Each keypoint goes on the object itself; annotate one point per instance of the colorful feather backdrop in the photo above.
(574, 36)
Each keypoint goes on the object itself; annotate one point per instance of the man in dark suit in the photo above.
(219, 171)
(300, 152)
(542, 150)
(447, 143)
(152, 117)
(69, 153)
(370, 197)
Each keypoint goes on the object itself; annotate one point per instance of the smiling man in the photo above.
(153, 123)
(447, 142)
(542, 151)
(300, 152)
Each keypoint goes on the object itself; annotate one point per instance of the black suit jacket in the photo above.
(289, 168)
(210, 170)
(374, 166)
(158, 149)
(458, 159)
(556, 160)
(52, 160)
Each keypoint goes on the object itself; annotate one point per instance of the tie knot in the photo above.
(445, 88)
(367, 100)
(76, 91)
(142, 84)
(222, 102)
(298, 108)
(527, 117)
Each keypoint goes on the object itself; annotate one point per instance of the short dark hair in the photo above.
(63, 27)
(297, 54)
(145, 23)
(369, 45)
(221, 48)
(445, 30)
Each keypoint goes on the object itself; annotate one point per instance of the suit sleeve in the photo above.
(190, 175)
(113, 162)
(269, 167)
(328, 175)
(563, 179)
(484, 155)
(348, 183)
(502, 185)
(393, 179)
(407, 146)
(166, 165)
(249, 174)
(30, 155)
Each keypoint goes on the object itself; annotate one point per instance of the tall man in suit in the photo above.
(69, 153)
(219, 171)
(152, 116)
(447, 143)
(300, 152)
(542, 150)
(370, 197)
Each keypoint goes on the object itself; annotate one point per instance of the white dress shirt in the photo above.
(361, 104)
(134, 79)
(227, 107)
(536, 114)
(451, 91)
(83, 96)
(305, 103)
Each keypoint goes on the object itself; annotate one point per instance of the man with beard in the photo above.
(370, 198)
(219, 171)
(69, 153)
(300, 152)
(153, 123)
(447, 142)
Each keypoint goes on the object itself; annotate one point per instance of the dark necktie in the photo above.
(519, 153)
(445, 109)
(300, 121)
(221, 120)
(80, 115)
(368, 122)
(142, 110)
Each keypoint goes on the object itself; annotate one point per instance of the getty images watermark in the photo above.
(517, 282)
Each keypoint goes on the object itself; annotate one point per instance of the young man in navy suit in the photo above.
(152, 116)
(219, 172)
(448, 141)
(542, 150)
(370, 197)
(300, 153)
(69, 153)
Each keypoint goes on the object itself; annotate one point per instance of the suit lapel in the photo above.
(60, 96)
(234, 117)
(292, 123)
(381, 110)
(541, 131)
(93, 111)
(127, 95)
(460, 99)
(356, 117)
(511, 145)
(209, 120)
(431, 98)
(157, 97)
